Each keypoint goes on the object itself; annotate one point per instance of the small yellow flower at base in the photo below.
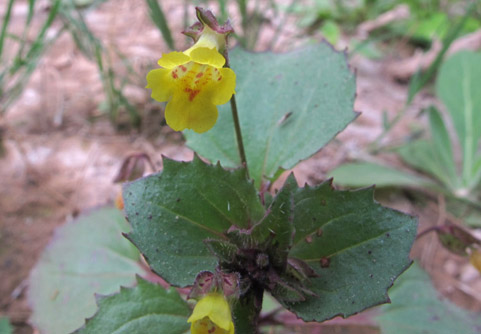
(193, 83)
(475, 259)
(211, 316)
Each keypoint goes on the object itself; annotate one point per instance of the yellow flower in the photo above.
(211, 316)
(193, 83)
(475, 259)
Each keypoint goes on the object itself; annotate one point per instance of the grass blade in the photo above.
(31, 8)
(158, 17)
(6, 21)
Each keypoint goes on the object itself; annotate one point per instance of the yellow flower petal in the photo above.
(173, 59)
(208, 57)
(220, 312)
(231, 329)
(193, 82)
(215, 307)
(199, 114)
(475, 259)
(161, 84)
(224, 87)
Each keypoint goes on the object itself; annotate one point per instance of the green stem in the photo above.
(246, 312)
(238, 133)
(375, 145)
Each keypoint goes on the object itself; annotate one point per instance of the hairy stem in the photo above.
(246, 312)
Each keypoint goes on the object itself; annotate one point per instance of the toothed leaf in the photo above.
(173, 212)
(355, 246)
(145, 308)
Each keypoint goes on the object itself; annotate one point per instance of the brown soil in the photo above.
(57, 163)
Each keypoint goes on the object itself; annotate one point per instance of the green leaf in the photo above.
(477, 171)
(416, 308)
(5, 327)
(363, 174)
(442, 147)
(458, 87)
(422, 155)
(435, 25)
(290, 105)
(86, 256)
(331, 31)
(172, 213)
(356, 247)
(146, 308)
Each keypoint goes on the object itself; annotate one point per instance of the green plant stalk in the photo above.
(223, 10)
(6, 21)
(246, 311)
(159, 19)
(23, 39)
(37, 44)
(238, 133)
(243, 10)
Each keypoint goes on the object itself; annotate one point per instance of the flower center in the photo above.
(205, 326)
(191, 78)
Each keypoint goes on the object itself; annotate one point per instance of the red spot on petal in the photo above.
(192, 93)
(183, 68)
(219, 78)
(199, 75)
(174, 74)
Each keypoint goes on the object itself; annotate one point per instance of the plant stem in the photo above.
(246, 311)
(238, 133)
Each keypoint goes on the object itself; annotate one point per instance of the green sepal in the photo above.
(224, 250)
(299, 270)
(284, 292)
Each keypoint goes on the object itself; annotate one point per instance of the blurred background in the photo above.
(73, 107)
